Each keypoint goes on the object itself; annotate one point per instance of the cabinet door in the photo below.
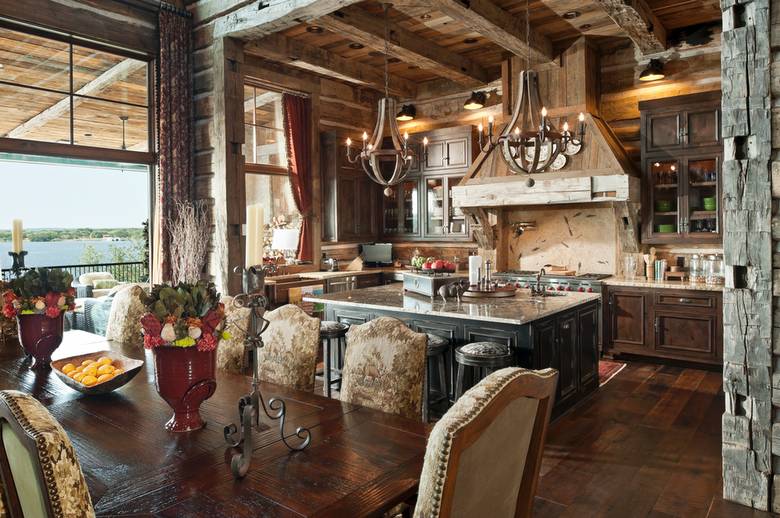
(365, 201)
(626, 320)
(702, 211)
(347, 208)
(663, 201)
(435, 153)
(435, 207)
(447, 154)
(588, 354)
(687, 336)
(391, 213)
(702, 127)
(568, 376)
(456, 223)
(664, 131)
(546, 345)
(409, 192)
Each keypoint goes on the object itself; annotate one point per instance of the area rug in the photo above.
(608, 369)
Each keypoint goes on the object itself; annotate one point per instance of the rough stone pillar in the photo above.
(748, 298)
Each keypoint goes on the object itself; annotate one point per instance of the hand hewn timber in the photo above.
(118, 72)
(261, 18)
(204, 11)
(277, 47)
(405, 45)
(638, 22)
(499, 26)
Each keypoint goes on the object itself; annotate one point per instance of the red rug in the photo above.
(608, 369)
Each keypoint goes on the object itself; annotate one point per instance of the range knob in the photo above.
(527, 285)
(560, 288)
(517, 285)
(569, 288)
(550, 288)
(590, 290)
(581, 289)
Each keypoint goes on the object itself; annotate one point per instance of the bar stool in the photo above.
(330, 331)
(483, 358)
(436, 354)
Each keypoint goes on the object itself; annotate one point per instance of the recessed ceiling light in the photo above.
(570, 15)
(315, 29)
(426, 16)
(393, 60)
(470, 41)
(585, 26)
(356, 46)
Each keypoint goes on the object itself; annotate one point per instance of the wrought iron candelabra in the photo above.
(250, 406)
(18, 262)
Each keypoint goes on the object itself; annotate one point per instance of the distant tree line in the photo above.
(63, 234)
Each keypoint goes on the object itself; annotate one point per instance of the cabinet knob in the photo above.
(656, 325)
(566, 326)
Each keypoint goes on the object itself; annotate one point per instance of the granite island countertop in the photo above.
(519, 310)
(642, 282)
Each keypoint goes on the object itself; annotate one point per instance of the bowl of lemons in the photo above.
(96, 373)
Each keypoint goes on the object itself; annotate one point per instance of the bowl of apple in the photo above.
(432, 265)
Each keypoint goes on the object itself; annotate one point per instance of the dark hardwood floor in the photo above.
(648, 444)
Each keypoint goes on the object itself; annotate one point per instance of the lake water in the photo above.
(57, 253)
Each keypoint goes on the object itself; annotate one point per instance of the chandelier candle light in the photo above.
(372, 155)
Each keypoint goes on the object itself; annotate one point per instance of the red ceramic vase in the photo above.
(185, 378)
(40, 336)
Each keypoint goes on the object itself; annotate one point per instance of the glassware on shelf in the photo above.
(696, 270)
(629, 267)
(713, 270)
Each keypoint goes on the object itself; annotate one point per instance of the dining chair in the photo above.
(232, 355)
(292, 341)
(384, 367)
(483, 456)
(41, 475)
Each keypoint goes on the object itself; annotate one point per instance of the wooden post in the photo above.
(749, 382)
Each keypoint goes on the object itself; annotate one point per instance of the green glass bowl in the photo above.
(663, 206)
(708, 203)
(666, 228)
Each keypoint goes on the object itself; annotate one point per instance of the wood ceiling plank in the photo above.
(289, 51)
(261, 18)
(405, 45)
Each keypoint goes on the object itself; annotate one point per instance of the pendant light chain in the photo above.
(387, 51)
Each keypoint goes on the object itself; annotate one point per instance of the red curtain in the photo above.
(297, 125)
(175, 177)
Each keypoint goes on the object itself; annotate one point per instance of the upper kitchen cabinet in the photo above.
(350, 199)
(681, 163)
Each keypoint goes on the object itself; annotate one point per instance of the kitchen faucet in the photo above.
(537, 289)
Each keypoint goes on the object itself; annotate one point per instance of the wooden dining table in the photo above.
(360, 462)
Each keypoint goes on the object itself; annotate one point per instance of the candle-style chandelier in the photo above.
(378, 161)
(529, 142)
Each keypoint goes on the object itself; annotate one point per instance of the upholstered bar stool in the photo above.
(436, 354)
(332, 331)
(482, 358)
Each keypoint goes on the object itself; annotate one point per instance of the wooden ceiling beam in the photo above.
(405, 45)
(261, 18)
(277, 47)
(499, 26)
(638, 22)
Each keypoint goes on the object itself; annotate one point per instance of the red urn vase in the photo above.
(40, 336)
(185, 378)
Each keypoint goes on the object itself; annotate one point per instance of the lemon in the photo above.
(117, 372)
(78, 376)
(89, 380)
(105, 369)
(91, 371)
(68, 368)
(104, 377)
(104, 360)
(87, 362)
(72, 374)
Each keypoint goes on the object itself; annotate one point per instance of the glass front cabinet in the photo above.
(681, 164)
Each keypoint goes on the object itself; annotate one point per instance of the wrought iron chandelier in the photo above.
(530, 143)
(373, 155)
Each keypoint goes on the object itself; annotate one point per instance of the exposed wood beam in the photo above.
(638, 22)
(405, 45)
(277, 47)
(118, 72)
(499, 26)
(204, 11)
(261, 18)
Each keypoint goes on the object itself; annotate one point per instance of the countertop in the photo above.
(641, 282)
(517, 310)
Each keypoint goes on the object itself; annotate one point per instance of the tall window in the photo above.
(64, 91)
(267, 176)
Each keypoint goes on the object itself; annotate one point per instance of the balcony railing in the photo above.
(123, 272)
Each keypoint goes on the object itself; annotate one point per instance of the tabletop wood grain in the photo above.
(360, 461)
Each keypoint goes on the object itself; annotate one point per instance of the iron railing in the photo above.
(123, 272)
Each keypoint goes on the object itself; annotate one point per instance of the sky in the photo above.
(72, 196)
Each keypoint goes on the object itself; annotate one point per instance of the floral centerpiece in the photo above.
(37, 300)
(182, 327)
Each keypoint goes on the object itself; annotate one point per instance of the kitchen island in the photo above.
(559, 331)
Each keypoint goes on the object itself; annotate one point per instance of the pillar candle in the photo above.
(17, 234)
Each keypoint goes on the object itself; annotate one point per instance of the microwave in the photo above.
(377, 254)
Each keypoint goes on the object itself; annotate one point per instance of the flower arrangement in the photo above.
(40, 291)
(184, 315)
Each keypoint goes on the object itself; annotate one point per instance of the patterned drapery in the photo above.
(175, 178)
(297, 127)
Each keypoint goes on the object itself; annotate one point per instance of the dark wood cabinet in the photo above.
(588, 353)
(350, 199)
(658, 322)
(681, 163)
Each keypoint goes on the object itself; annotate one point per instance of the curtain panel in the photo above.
(175, 143)
(297, 127)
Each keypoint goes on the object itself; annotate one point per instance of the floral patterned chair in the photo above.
(231, 353)
(42, 475)
(468, 468)
(292, 341)
(124, 319)
(384, 367)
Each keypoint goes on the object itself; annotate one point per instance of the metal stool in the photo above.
(435, 361)
(483, 358)
(330, 331)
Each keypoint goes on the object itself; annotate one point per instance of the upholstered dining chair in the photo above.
(231, 353)
(483, 456)
(41, 475)
(384, 367)
(292, 341)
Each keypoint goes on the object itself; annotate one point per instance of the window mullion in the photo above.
(72, 106)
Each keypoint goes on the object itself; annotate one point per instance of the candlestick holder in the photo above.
(250, 406)
(18, 262)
